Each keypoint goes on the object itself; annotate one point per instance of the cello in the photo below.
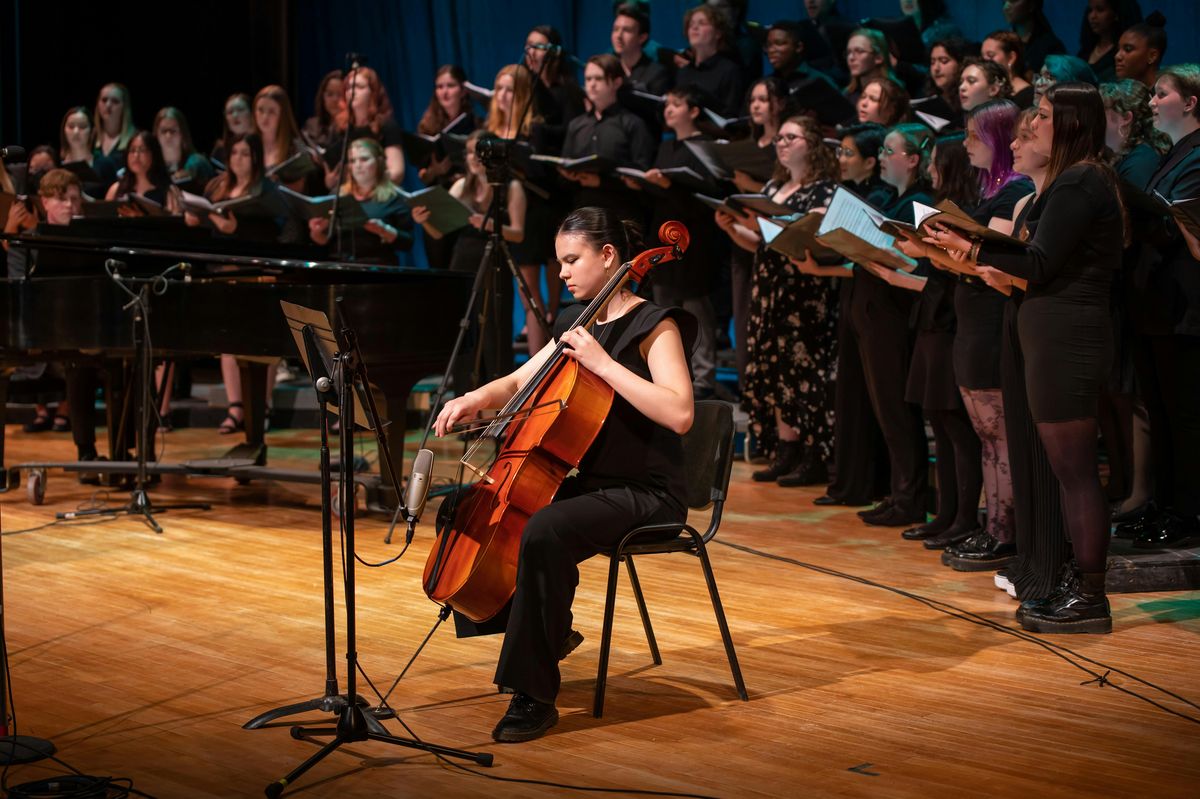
(542, 433)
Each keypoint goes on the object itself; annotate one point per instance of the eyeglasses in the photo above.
(848, 152)
(786, 138)
(886, 150)
(1042, 78)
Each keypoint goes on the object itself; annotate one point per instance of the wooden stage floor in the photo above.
(141, 655)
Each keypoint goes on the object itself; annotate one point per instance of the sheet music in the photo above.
(848, 212)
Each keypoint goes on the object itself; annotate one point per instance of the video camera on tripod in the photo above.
(496, 155)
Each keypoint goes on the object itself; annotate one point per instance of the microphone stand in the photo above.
(346, 377)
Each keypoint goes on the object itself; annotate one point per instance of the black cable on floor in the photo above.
(1058, 650)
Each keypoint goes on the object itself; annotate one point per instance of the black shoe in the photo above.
(884, 505)
(895, 516)
(572, 642)
(1134, 528)
(787, 456)
(1145, 510)
(923, 531)
(90, 478)
(40, 424)
(525, 720)
(810, 471)
(1081, 608)
(1171, 529)
(952, 536)
(981, 552)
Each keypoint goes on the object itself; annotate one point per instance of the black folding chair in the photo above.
(708, 459)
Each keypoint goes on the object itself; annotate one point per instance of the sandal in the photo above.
(40, 424)
(232, 424)
(61, 424)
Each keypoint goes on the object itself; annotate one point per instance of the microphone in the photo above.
(12, 152)
(418, 489)
(356, 60)
(114, 266)
(186, 268)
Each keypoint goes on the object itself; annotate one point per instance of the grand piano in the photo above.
(63, 306)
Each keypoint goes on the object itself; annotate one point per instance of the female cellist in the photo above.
(631, 475)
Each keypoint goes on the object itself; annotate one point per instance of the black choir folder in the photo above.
(747, 203)
(800, 237)
(136, 204)
(682, 178)
(446, 212)
(722, 159)
(946, 213)
(265, 204)
(587, 163)
(421, 148)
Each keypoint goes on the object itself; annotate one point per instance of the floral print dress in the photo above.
(792, 340)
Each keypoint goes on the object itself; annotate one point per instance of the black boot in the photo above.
(981, 552)
(810, 471)
(1081, 607)
(526, 719)
(787, 457)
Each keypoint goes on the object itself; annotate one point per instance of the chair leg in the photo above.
(610, 601)
(641, 603)
(721, 623)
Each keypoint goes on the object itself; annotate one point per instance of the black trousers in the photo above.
(860, 474)
(882, 330)
(1168, 369)
(583, 521)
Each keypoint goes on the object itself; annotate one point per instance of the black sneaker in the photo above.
(1082, 608)
(526, 719)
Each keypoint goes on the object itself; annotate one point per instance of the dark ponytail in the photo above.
(600, 226)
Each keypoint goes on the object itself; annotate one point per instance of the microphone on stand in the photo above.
(356, 60)
(417, 491)
(12, 152)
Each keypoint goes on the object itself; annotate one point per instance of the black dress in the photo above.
(979, 308)
(1070, 263)
(1040, 532)
(632, 475)
(792, 340)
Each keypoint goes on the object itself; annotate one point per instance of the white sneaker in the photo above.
(1005, 584)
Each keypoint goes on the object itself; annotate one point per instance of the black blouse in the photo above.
(719, 80)
(1077, 244)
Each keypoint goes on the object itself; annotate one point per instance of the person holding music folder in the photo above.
(1069, 262)
(185, 165)
(883, 102)
(982, 81)
(932, 382)
(475, 192)
(880, 314)
(1137, 147)
(492, 342)
(244, 177)
(388, 221)
(690, 281)
(610, 132)
(1140, 50)
(286, 158)
(366, 114)
(711, 70)
(237, 118)
(1007, 50)
(793, 320)
(318, 128)
(632, 474)
(96, 172)
(1166, 314)
(785, 49)
(630, 32)
(557, 98)
(112, 123)
(450, 112)
(146, 176)
(977, 341)
(859, 472)
(1029, 22)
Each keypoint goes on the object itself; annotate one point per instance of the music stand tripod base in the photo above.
(18, 749)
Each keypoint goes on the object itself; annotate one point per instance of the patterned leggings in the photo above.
(986, 409)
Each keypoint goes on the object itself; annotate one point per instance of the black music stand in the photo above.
(139, 500)
(340, 377)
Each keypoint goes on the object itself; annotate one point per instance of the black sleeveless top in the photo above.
(631, 449)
